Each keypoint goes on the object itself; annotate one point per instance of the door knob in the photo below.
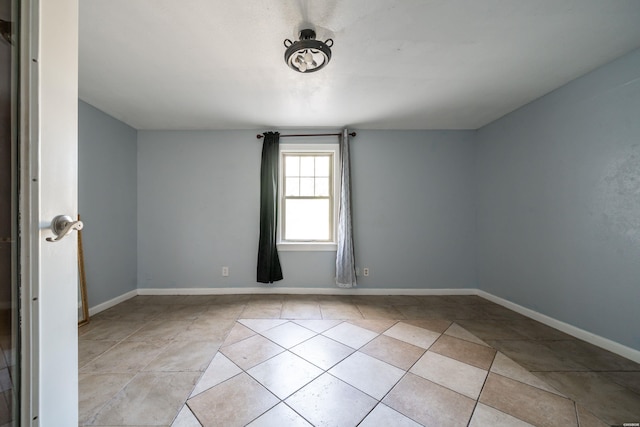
(63, 225)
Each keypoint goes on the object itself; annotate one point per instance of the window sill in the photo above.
(301, 246)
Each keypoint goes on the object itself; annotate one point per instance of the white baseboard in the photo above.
(607, 344)
(597, 340)
(303, 291)
(114, 301)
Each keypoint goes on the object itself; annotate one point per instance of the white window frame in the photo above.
(306, 148)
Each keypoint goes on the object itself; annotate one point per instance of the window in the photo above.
(308, 189)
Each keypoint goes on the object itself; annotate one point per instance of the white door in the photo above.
(49, 65)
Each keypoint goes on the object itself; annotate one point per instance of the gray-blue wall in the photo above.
(198, 195)
(107, 200)
(558, 199)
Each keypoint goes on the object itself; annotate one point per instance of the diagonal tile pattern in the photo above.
(194, 361)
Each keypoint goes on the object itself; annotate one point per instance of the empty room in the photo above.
(356, 213)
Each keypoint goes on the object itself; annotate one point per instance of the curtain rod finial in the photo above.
(259, 136)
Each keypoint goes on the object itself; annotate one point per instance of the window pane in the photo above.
(292, 187)
(322, 187)
(307, 220)
(292, 165)
(306, 166)
(306, 187)
(322, 165)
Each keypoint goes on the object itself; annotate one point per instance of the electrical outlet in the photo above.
(365, 271)
(225, 271)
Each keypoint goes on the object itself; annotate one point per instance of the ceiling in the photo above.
(397, 64)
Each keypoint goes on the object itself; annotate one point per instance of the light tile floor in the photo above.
(290, 360)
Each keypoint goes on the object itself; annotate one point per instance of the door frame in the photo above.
(28, 207)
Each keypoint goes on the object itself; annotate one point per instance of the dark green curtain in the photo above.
(269, 269)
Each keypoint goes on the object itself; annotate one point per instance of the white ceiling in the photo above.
(397, 64)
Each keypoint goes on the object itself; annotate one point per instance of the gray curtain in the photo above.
(269, 269)
(345, 259)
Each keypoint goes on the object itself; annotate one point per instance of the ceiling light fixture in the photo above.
(307, 54)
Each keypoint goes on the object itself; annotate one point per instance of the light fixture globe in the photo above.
(307, 54)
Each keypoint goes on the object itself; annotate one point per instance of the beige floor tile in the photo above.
(266, 299)
(224, 311)
(357, 369)
(457, 376)
(399, 300)
(629, 380)
(428, 403)
(156, 300)
(322, 403)
(128, 312)
(607, 400)
(261, 325)
(415, 312)
(151, 398)
(527, 403)
(300, 298)
(90, 349)
(594, 358)
(279, 416)
(239, 332)
(186, 418)
(160, 330)
(412, 334)
(537, 331)
(484, 416)
(220, 369)
(232, 299)
(491, 329)
(284, 374)
(375, 311)
(506, 367)
(340, 311)
(235, 402)
(109, 330)
(322, 351)
(300, 310)
(198, 299)
(128, 356)
(473, 354)
(465, 299)
(382, 415)
(210, 320)
(467, 311)
(184, 312)
(318, 326)
(458, 331)
(182, 356)
(375, 325)
(432, 300)
(587, 419)
(535, 356)
(214, 330)
(351, 335)
(288, 334)
(434, 325)
(95, 390)
(398, 353)
(262, 311)
(495, 311)
(251, 351)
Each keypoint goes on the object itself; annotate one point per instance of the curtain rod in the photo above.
(260, 136)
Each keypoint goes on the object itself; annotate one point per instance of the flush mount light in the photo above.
(307, 54)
